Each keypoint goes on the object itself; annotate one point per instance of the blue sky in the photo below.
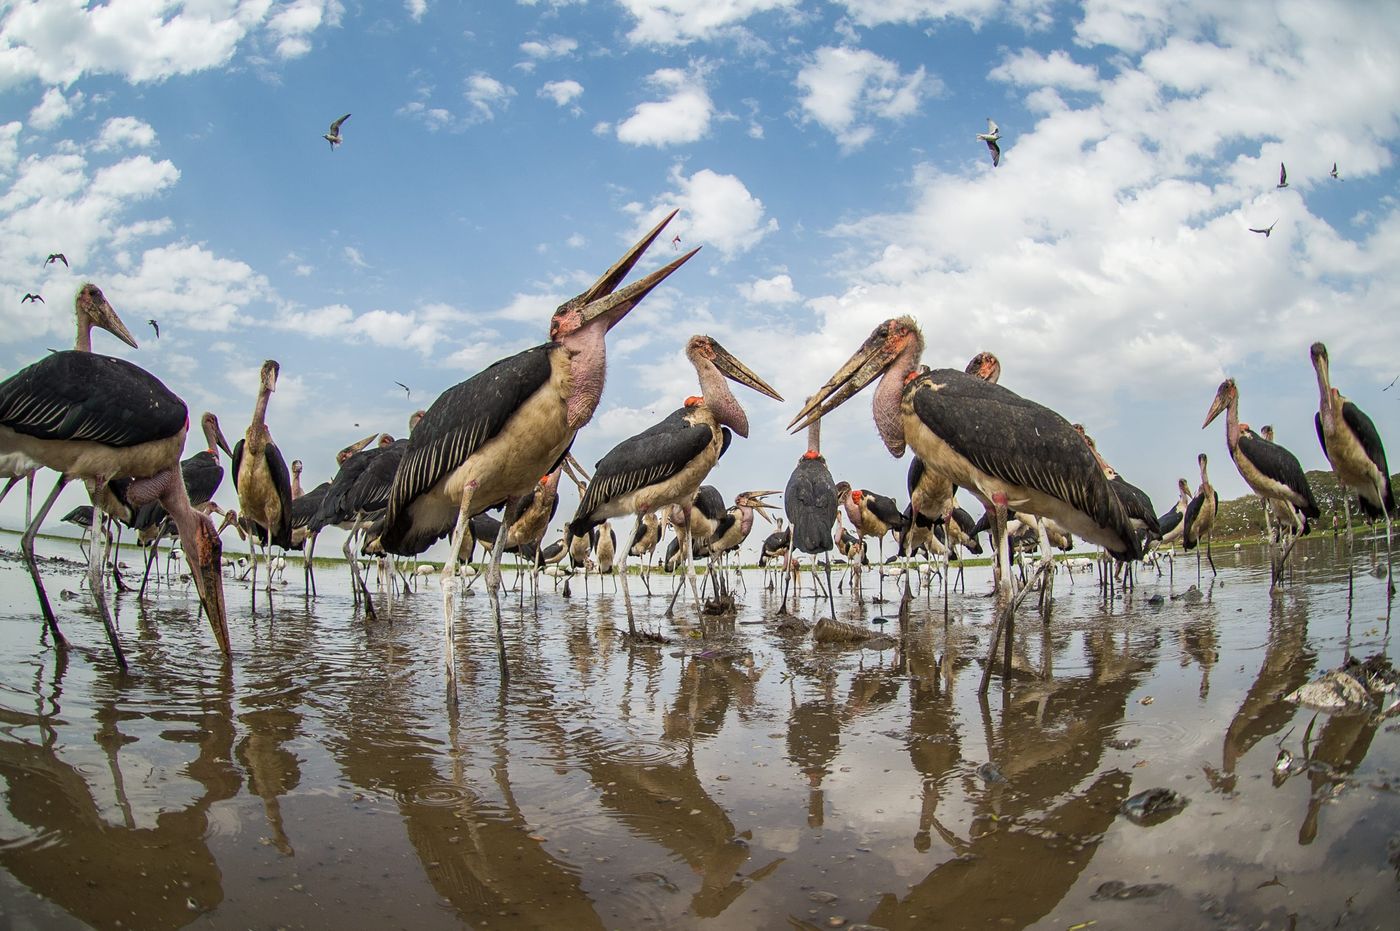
(500, 155)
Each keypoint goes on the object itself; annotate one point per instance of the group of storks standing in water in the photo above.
(501, 440)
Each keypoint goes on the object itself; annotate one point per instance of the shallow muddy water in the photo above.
(734, 778)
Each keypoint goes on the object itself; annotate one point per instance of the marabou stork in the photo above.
(306, 510)
(644, 540)
(1199, 518)
(737, 524)
(99, 419)
(81, 517)
(1136, 504)
(1353, 447)
(665, 464)
(1171, 523)
(810, 502)
(488, 440)
(261, 478)
(985, 366)
(1270, 470)
(202, 474)
(91, 309)
(1029, 459)
(605, 548)
(297, 491)
(775, 546)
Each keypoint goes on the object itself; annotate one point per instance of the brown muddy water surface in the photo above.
(735, 778)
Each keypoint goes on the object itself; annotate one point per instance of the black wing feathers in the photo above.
(652, 456)
(1278, 463)
(84, 396)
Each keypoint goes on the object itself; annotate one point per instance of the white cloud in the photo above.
(59, 41)
(843, 89)
(487, 95)
(562, 92)
(435, 118)
(775, 290)
(53, 108)
(1026, 13)
(674, 22)
(553, 47)
(717, 212)
(9, 146)
(188, 283)
(423, 330)
(416, 9)
(684, 116)
(125, 132)
(1030, 67)
(354, 257)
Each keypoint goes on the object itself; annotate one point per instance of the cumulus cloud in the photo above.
(775, 290)
(53, 108)
(416, 9)
(684, 116)
(59, 41)
(676, 22)
(843, 89)
(423, 329)
(717, 211)
(553, 47)
(486, 95)
(188, 283)
(562, 93)
(125, 132)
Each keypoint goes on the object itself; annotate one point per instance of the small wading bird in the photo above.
(98, 418)
(992, 136)
(487, 440)
(665, 464)
(1353, 447)
(333, 137)
(1034, 461)
(1267, 231)
(262, 480)
(1270, 470)
(1282, 176)
(32, 297)
(56, 257)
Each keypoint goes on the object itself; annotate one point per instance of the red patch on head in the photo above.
(856, 496)
(694, 400)
(911, 376)
(544, 480)
(811, 454)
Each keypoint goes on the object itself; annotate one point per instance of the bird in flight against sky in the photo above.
(676, 243)
(56, 257)
(155, 326)
(33, 297)
(333, 137)
(1282, 175)
(990, 137)
(1334, 172)
(1267, 231)
(405, 388)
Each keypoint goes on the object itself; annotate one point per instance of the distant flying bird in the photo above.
(676, 243)
(333, 137)
(990, 137)
(33, 297)
(155, 326)
(1334, 172)
(1267, 231)
(1282, 175)
(405, 388)
(56, 257)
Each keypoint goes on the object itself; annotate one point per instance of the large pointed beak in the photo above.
(219, 439)
(356, 446)
(575, 471)
(872, 358)
(205, 558)
(758, 504)
(735, 370)
(107, 319)
(1216, 406)
(616, 305)
(611, 278)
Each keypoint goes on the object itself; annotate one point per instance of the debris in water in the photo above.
(1355, 687)
(831, 631)
(1153, 806)
(1113, 889)
(990, 774)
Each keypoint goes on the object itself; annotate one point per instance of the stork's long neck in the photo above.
(260, 410)
(84, 340)
(1205, 479)
(296, 481)
(714, 387)
(588, 365)
(889, 394)
(1232, 424)
(814, 437)
(1324, 390)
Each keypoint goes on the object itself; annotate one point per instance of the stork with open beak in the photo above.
(665, 464)
(487, 440)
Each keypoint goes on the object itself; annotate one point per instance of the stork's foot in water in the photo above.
(646, 636)
(722, 604)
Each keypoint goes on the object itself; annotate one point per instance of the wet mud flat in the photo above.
(735, 777)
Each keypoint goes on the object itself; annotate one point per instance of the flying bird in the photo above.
(405, 388)
(676, 243)
(33, 297)
(1334, 172)
(333, 137)
(155, 326)
(991, 136)
(1267, 231)
(1282, 176)
(56, 257)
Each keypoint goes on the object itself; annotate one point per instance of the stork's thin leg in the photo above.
(627, 592)
(448, 580)
(116, 549)
(309, 563)
(830, 597)
(690, 567)
(26, 545)
(1209, 558)
(493, 584)
(146, 576)
(95, 585)
(1047, 566)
